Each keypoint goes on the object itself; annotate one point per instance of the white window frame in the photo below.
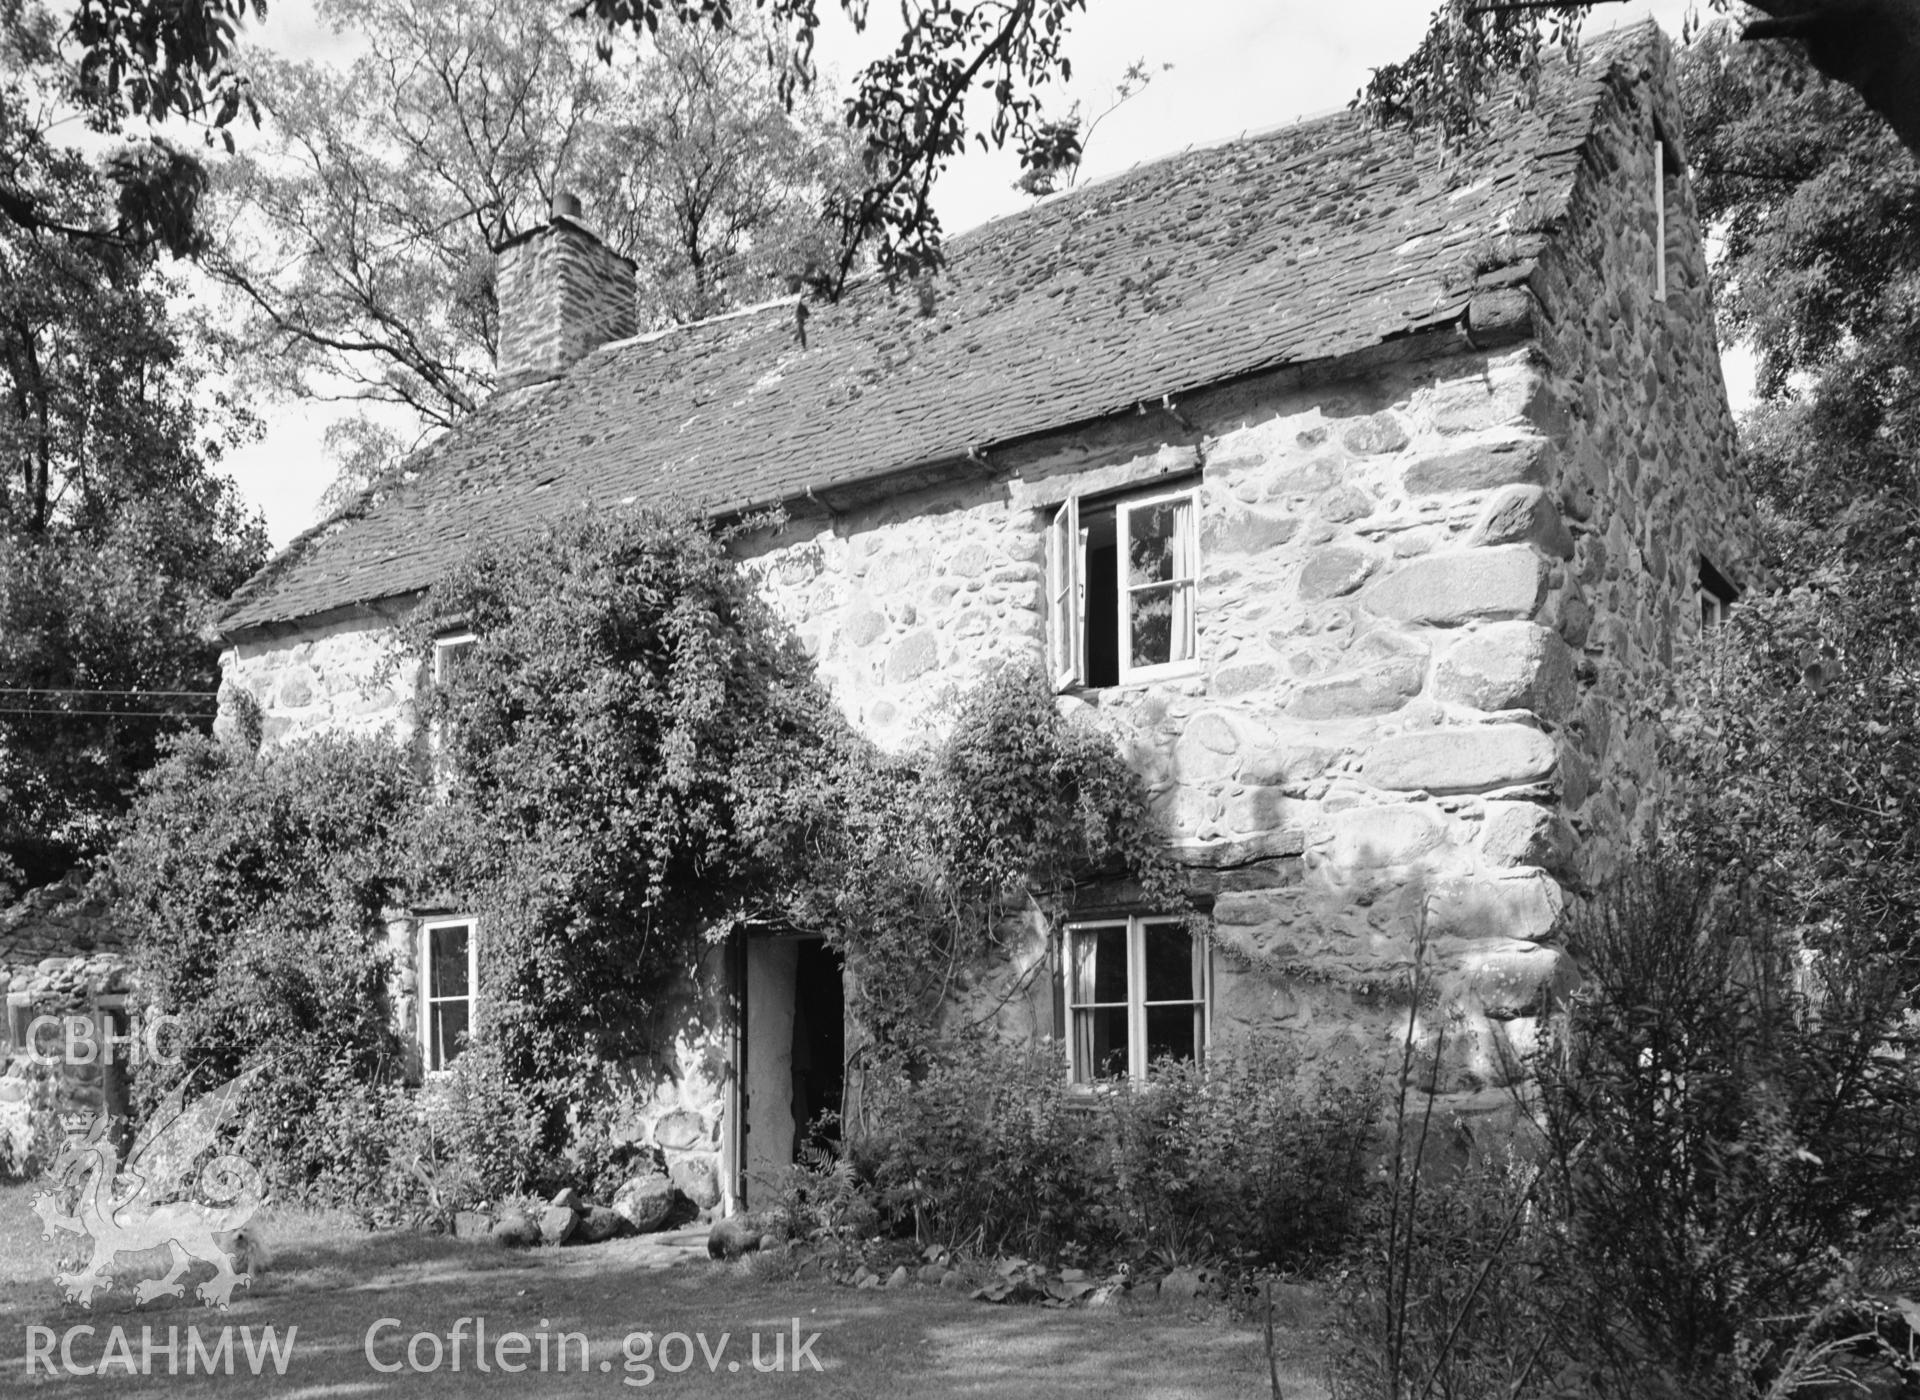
(1066, 556)
(1067, 590)
(424, 986)
(1138, 927)
(443, 647)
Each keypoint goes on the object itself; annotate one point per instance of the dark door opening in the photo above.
(819, 1044)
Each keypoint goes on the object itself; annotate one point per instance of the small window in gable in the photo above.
(449, 984)
(1123, 578)
(1717, 596)
(449, 653)
(1137, 994)
(1667, 174)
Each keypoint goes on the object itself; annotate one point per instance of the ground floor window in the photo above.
(1136, 994)
(449, 981)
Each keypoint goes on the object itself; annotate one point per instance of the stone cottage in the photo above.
(1357, 488)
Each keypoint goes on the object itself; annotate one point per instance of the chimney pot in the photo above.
(566, 206)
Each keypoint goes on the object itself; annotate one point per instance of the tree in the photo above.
(360, 231)
(1872, 46)
(155, 58)
(116, 533)
(1803, 726)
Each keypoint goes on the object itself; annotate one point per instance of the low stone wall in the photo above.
(60, 956)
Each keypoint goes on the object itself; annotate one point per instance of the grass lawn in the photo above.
(334, 1283)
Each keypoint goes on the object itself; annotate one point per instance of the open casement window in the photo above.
(1123, 580)
(1137, 993)
(1066, 642)
(449, 986)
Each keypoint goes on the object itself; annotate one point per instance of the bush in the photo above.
(986, 1150)
(256, 885)
(1729, 1126)
(1244, 1161)
(990, 1150)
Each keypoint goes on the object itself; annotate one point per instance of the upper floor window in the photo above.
(1123, 578)
(1717, 596)
(1137, 993)
(449, 983)
(449, 654)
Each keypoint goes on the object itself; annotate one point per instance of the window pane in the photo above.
(1172, 974)
(1161, 625)
(449, 1020)
(1173, 1032)
(1100, 966)
(1157, 542)
(448, 658)
(449, 961)
(1100, 1044)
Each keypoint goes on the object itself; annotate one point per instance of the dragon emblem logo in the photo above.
(115, 1207)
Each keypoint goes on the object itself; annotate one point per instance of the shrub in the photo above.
(1246, 1160)
(255, 886)
(1242, 1162)
(1729, 1125)
(1733, 1122)
(986, 1150)
(635, 749)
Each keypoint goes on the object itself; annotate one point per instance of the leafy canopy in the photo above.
(356, 232)
(118, 534)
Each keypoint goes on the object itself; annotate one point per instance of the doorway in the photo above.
(795, 1057)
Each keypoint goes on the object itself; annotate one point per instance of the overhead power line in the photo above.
(105, 690)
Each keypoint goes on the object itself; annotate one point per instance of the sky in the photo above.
(1236, 66)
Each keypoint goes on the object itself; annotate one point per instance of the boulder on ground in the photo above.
(471, 1225)
(516, 1231)
(599, 1223)
(645, 1200)
(557, 1224)
(733, 1237)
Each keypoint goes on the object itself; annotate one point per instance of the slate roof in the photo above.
(1304, 243)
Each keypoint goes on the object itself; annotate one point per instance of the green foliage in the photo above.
(1731, 1124)
(642, 761)
(1799, 743)
(1727, 1126)
(632, 761)
(398, 1156)
(1246, 1162)
(117, 534)
(635, 752)
(930, 852)
(1249, 1160)
(256, 885)
(382, 190)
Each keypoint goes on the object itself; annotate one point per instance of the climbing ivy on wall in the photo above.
(639, 760)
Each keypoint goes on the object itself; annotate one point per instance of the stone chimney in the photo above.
(563, 293)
